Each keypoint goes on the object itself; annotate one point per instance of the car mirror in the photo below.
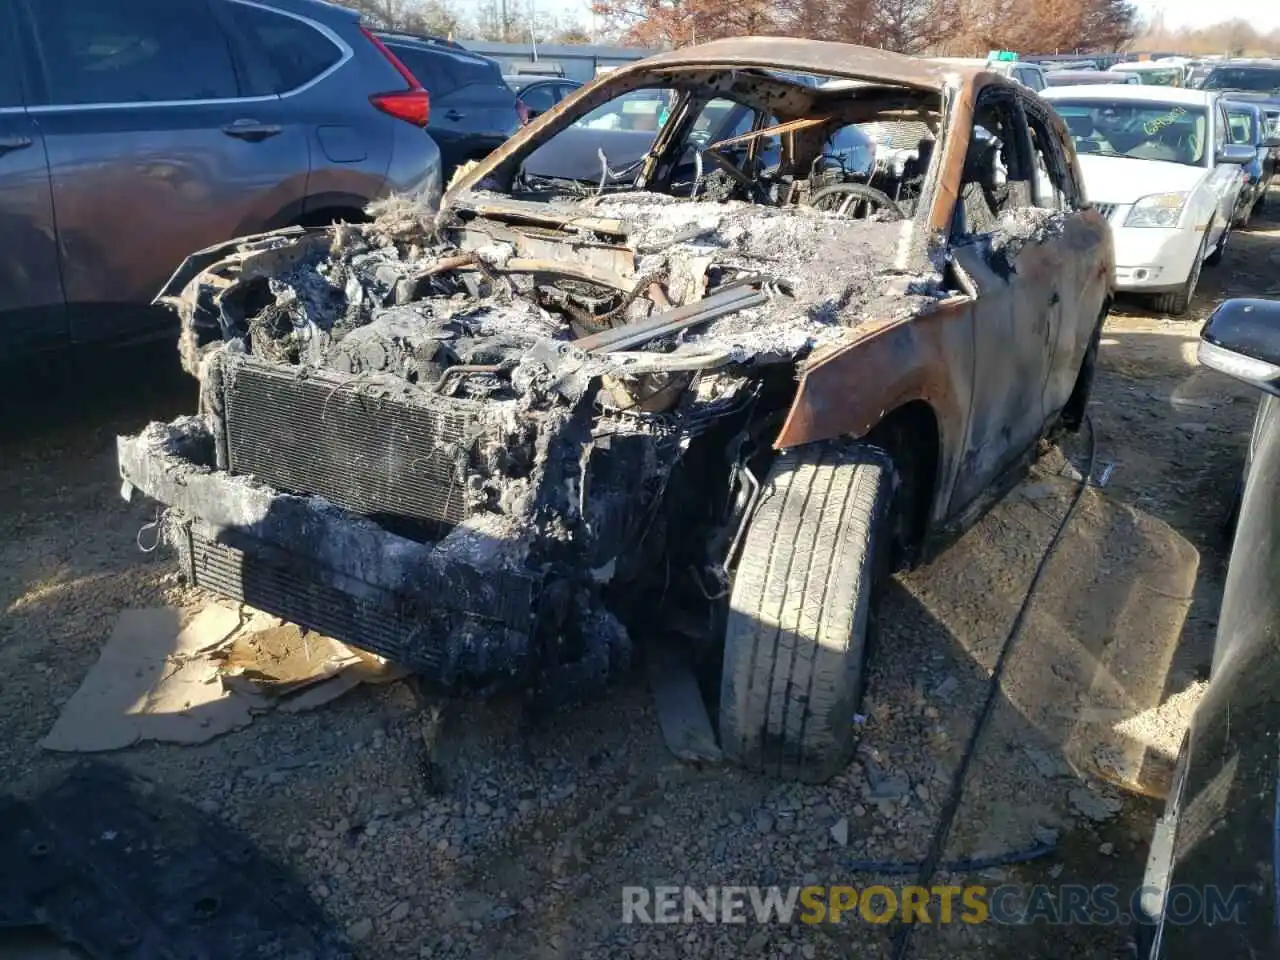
(1237, 153)
(1242, 339)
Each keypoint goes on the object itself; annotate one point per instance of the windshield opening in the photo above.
(1250, 79)
(1175, 133)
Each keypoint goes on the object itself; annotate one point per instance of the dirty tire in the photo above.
(1176, 304)
(1072, 417)
(800, 610)
(1215, 258)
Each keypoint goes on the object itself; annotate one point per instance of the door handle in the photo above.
(252, 130)
(10, 144)
(454, 114)
(1054, 299)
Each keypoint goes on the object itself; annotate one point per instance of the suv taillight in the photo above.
(412, 105)
(522, 111)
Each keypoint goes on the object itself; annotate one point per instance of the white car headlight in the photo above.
(1157, 210)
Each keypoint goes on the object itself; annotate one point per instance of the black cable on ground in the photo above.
(963, 865)
(939, 843)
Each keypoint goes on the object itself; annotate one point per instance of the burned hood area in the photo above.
(489, 442)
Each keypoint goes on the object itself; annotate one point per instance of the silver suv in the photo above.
(135, 132)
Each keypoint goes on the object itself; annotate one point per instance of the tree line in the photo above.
(1236, 37)
(940, 27)
(513, 20)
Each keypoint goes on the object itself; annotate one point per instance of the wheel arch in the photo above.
(912, 437)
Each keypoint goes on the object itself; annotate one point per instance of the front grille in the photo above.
(411, 633)
(402, 464)
(1106, 209)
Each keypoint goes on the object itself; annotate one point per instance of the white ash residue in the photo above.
(1022, 225)
(350, 312)
(839, 272)
(486, 541)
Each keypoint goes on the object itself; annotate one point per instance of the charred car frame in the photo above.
(719, 393)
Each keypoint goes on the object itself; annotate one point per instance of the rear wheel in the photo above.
(801, 611)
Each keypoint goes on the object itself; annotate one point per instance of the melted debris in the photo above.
(391, 297)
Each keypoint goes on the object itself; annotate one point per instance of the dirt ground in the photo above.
(524, 847)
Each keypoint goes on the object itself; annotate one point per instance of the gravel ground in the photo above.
(521, 846)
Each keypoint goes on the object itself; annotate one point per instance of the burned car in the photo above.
(718, 396)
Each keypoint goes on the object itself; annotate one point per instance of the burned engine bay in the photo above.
(470, 442)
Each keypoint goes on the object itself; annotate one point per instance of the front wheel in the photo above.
(1176, 304)
(1078, 403)
(1220, 250)
(801, 610)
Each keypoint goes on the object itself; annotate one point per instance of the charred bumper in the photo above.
(466, 619)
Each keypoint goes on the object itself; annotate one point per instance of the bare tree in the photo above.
(436, 17)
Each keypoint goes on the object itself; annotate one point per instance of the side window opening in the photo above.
(1053, 183)
(296, 52)
(430, 70)
(539, 99)
(132, 51)
(994, 181)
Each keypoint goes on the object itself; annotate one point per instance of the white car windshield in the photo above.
(1156, 76)
(1173, 132)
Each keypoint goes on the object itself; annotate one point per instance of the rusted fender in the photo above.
(846, 390)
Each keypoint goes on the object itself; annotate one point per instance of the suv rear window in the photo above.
(297, 52)
(441, 73)
(132, 51)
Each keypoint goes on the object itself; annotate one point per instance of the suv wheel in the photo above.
(801, 611)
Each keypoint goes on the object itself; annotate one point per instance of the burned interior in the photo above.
(481, 441)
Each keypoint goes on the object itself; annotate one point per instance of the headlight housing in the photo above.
(1157, 210)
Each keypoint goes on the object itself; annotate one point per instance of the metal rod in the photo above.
(672, 321)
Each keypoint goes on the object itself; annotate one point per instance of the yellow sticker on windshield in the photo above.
(1152, 127)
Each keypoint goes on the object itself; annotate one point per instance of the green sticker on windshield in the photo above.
(1152, 127)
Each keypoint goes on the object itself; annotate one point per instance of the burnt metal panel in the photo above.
(400, 462)
(414, 631)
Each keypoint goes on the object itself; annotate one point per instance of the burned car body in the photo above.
(488, 442)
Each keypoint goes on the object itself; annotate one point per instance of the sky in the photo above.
(1263, 14)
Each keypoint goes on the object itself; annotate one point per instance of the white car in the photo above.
(1159, 165)
(1157, 73)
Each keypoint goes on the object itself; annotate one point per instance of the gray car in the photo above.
(135, 132)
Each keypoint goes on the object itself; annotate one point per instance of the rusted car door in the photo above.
(1078, 248)
(1016, 271)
